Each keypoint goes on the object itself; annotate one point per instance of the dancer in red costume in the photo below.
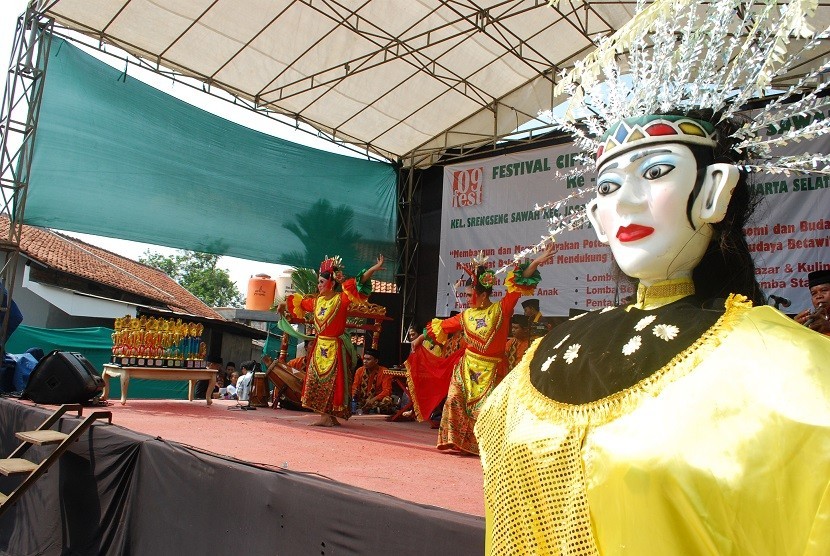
(326, 388)
(483, 364)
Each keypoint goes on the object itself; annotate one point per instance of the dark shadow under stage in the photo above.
(178, 477)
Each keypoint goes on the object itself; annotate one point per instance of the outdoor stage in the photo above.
(172, 475)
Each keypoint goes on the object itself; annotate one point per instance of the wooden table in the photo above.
(157, 373)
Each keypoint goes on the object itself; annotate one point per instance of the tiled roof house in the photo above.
(73, 274)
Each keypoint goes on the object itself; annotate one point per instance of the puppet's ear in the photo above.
(716, 192)
(590, 211)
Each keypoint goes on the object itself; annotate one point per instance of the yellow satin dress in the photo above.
(723, 451)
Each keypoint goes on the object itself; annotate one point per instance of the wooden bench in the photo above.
(157, 373)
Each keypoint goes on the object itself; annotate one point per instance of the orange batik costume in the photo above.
(515, 350)
(483, 363)
(327, 382)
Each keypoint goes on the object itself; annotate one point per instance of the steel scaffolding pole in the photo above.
(409, 216)
(18, 127)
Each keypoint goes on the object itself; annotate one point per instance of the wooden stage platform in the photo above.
(399, 459)
(174, 476)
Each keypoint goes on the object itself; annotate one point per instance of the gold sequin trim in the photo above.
(663, 293)
(616, 405)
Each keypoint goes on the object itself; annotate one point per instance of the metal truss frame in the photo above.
(409, 219)
(18, 128)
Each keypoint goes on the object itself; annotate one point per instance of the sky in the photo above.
(240, 270)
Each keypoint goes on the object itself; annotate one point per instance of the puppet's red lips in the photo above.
(633, 232)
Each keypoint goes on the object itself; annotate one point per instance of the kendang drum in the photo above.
(288, 385)
(259, 390)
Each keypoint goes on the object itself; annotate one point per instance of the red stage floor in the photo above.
(398, 458)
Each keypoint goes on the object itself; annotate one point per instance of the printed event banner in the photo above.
(489, 205)
(789, 235)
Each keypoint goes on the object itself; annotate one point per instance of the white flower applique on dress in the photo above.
(666, 331)
(645, 321)
(562, 341)
(571, 353)
(632, 345)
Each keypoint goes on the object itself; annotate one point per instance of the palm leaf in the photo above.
(304, 281)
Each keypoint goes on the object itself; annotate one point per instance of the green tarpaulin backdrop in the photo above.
(96, 345)
(117, 158)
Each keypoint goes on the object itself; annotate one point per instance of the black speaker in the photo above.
(63, 377)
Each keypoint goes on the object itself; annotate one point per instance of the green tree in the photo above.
(198, 274)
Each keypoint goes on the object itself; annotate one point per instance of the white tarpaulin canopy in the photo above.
(405, 79)
(397, 77)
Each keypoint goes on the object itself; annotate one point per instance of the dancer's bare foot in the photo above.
(326, 421)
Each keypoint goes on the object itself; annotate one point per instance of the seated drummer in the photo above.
(372, 386)
(298, 363)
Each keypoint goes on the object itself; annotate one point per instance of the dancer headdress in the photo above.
(333, 265)
(486, 278)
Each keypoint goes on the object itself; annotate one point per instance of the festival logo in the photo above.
(467, 187)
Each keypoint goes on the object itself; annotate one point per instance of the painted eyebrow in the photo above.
(635, 157)
(648, 153)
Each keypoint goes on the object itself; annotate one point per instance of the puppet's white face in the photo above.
(641, 212)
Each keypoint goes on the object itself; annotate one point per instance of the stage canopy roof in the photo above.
(403, 79)
(406, 80)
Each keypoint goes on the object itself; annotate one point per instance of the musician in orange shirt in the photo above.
(372, 387)
(519, 340)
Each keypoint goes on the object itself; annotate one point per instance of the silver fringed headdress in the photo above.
(677, 58)
(689, 56)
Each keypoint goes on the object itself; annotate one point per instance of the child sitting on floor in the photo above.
(230, 391)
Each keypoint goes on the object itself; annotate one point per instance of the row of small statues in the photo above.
(145, 323)
(152, 337)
